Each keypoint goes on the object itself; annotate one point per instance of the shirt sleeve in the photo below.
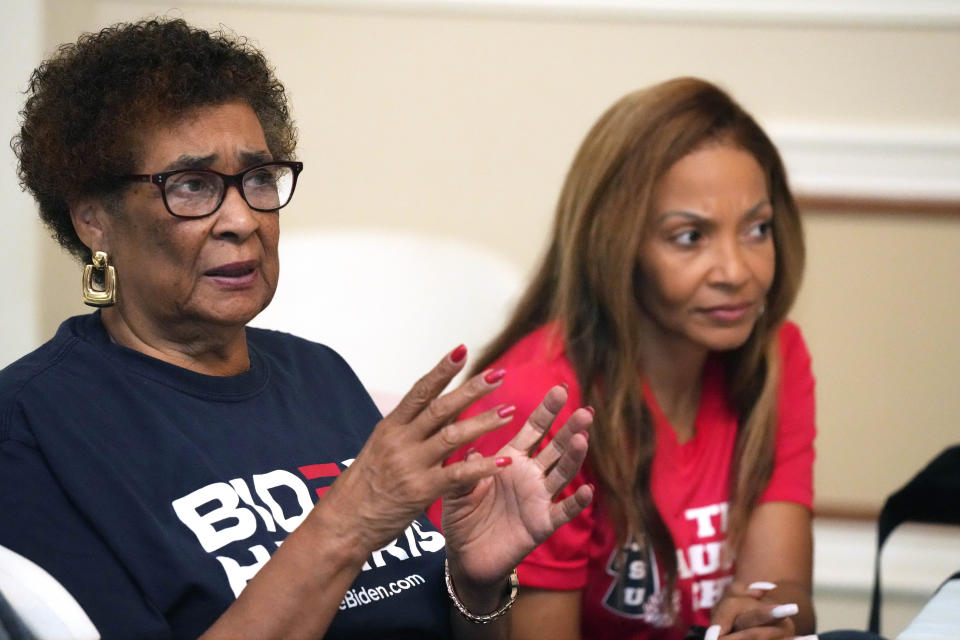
(42, 525)
(792, 478)
(560, 562)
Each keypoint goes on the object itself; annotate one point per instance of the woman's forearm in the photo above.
(299, 590)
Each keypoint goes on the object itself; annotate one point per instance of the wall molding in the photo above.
(871, 205)
(916, 558)
(934, 14)
(832, 167)
(847, 512)
(857, 168)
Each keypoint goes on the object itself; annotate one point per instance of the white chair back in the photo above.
(41, 603)
(391, 304)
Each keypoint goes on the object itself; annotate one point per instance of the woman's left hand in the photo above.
(492, 525)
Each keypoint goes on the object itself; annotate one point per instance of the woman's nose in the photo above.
(235, 217)
(730, 266)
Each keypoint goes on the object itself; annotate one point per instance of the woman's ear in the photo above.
(90, 221)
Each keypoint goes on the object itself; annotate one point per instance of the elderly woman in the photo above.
(155, 454)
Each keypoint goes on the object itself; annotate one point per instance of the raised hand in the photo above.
(400, 471)
(395, 476)
(492, 524)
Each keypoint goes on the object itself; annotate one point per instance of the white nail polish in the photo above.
(765, 586)
(785, 610)
(811, 637)
(712, 633)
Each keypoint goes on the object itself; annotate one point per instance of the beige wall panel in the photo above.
(463, 125)
(879, 308)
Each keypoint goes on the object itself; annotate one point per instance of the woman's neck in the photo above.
(673, 367)
(213, 351)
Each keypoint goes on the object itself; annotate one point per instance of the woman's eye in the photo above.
(761, 230)
(686, 238)
(189, 184)
(260, 178)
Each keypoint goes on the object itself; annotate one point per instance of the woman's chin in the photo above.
(236, 309)
(726, 339)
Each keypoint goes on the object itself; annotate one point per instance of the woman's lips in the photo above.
(234, 275)
(728, 313)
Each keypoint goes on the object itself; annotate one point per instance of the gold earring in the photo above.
(100, 297)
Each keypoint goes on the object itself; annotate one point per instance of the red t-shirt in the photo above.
(690, 484)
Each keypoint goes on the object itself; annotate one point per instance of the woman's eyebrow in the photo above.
(187, 161)
(688, 215)
(756, 209)
(753, 211)
(250, 158)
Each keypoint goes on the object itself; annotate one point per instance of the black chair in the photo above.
(932, 497)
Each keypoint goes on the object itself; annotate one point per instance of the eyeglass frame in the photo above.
(234, 180)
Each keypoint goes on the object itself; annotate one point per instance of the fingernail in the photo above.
(763, 586)
(503, 462)
(505, 412)
(494, 376)
(810, 637)
(590, 409)
(785, 610)
(470, 452)
(712, 633)
(458, 354)
(565, 385)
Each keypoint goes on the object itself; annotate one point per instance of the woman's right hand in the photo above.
(744, 613)
(400, 471)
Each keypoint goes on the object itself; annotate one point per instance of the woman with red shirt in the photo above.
(662, 302)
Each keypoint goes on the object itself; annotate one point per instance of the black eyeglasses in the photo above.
(196, 193)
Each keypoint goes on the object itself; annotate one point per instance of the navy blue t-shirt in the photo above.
(153, 493)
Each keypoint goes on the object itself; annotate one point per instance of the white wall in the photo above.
(22, 33)
(460, 122)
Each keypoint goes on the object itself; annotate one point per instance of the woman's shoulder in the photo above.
(34, 377)
(790, 333)
(47, 356)
(277, 337)
(793, 347)
(535, 363)
(307, 366)
(287, 349)
(532, 365)
(540, 350)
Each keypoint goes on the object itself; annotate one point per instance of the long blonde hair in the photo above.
(587, 282)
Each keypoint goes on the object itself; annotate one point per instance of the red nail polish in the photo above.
(590, 409)
(458, 354)
(494, 376)
(505, 412)
(503, 462)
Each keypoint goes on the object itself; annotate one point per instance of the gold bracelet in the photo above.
(472, 617)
